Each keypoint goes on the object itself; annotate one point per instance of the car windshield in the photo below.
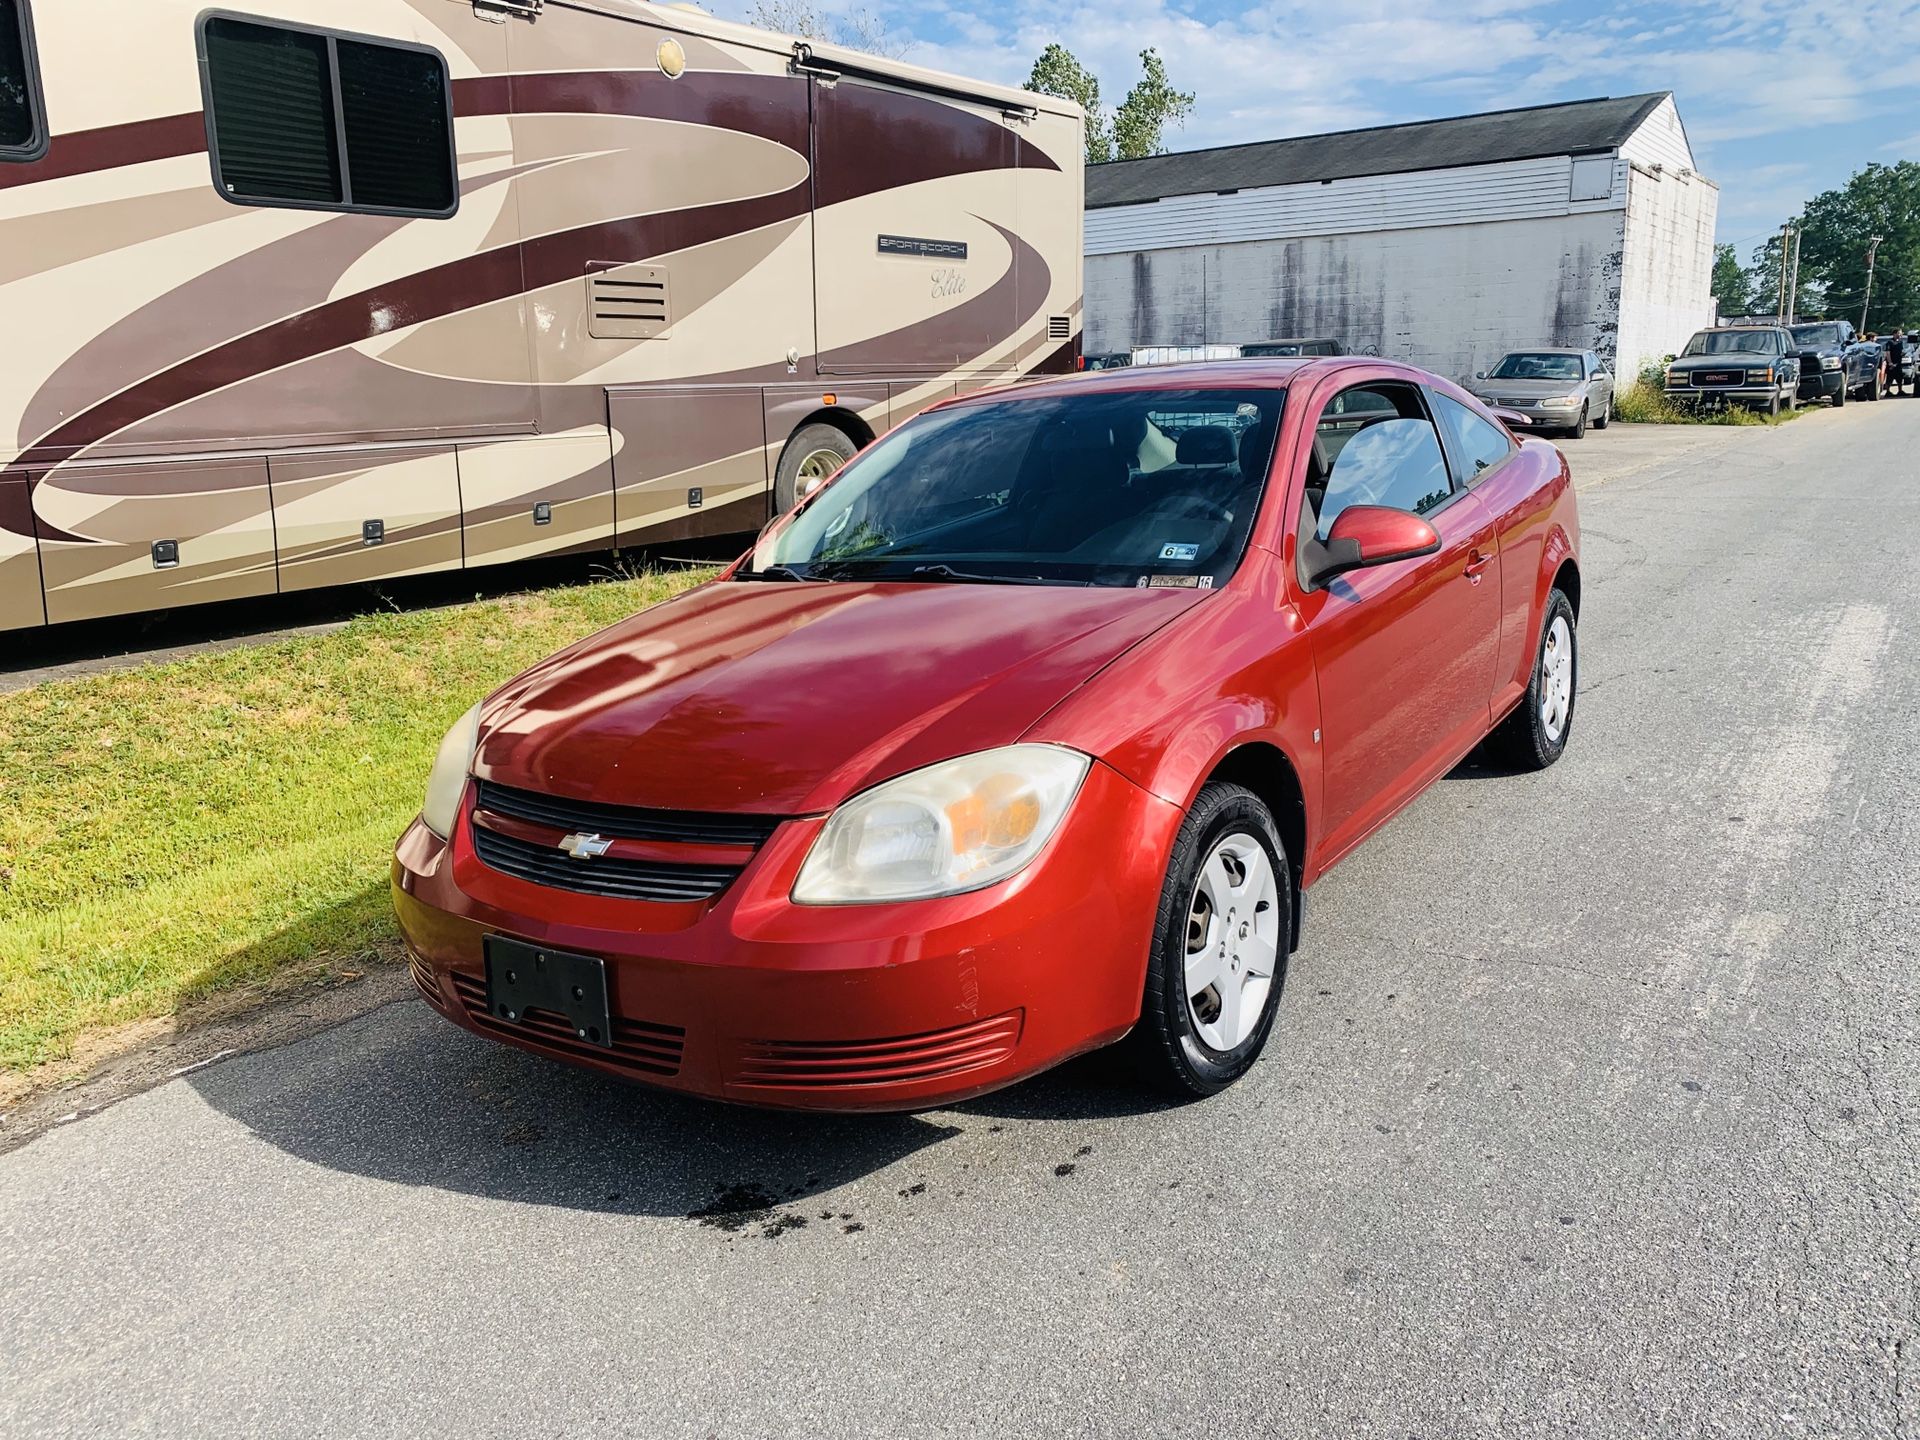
(1731, 342)
(1527, 365)
(1813, 336)
(1152, 488)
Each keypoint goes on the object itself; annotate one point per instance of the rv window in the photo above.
(21, 136)
(307, 119)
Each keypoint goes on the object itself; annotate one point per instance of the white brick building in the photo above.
(1445, 242)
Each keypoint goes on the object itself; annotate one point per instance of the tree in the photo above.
(1151, 105)
(1058, 73)
(1838, 229)
(1763, 277)
(857, 29)
(1730, 288)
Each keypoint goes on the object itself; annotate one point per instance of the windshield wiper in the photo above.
(774, 572)
(941, 571)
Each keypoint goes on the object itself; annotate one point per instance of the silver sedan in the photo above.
(1555, 389)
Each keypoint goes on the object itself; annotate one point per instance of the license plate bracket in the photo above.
(523, 978)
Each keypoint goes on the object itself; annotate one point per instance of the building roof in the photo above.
(1572, 128)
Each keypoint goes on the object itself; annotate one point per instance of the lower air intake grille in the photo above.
(619, 879)
(423, 977)
(826, 1064)
(637, 1044)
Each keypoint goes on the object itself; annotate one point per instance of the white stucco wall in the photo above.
(1449, 298)
(1666, 286)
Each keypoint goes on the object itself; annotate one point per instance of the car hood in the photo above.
(785, 698)
(1526, 389)
(1734, 360)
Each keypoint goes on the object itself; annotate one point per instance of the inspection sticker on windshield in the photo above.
(1172, 550)
(1176, 582)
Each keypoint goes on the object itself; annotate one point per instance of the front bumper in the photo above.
(748, 997)
(1821, 384)
(1693, 394)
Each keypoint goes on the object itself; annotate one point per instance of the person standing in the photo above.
(1896, 360)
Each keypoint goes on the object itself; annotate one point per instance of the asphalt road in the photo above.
(1591, 1110)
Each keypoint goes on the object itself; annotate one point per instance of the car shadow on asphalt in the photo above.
(402, 1096)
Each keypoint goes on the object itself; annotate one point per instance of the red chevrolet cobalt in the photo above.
(1024, 733)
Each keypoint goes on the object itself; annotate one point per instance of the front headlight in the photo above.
(1561, 400)
(957, 826)
(1829, 362)
(447, 781)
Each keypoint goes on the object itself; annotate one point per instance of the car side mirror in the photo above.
(1368, 535)
(1479, 374)
(1512, 419)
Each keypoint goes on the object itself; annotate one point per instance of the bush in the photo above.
(1646, 404)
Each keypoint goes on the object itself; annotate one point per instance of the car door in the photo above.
(1404, 652)
(1599, 385)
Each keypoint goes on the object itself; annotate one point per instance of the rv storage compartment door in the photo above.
(365, 514)
(118, 539)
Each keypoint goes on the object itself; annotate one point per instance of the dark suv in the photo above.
(1833, 366)
(1756, 365)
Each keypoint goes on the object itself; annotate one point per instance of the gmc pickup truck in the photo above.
(1754, 365)
(1833, 365)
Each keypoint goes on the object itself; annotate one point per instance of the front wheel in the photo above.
(1219, 949)
(1535, 735)
(1579, 426)
(1840, 395)
(1773, 405)
(1873, 387)
(1606, 414)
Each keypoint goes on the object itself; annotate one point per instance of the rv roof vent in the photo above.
(627, 302)
(1059, 327)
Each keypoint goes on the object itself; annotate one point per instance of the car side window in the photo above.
(1374, 445)
(1474, 445)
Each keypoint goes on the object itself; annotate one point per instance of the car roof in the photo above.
(1259, 372)
(1545, 350)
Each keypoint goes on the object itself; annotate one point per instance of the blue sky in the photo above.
(1781, 100)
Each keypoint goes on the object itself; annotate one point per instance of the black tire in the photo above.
(1873, 387)
(1579, 430)
(1792, 401)
(1606, 415)
(1168, 1051)
(1522, 741)
(1840, 395)
(1773, 404)
(808, 443)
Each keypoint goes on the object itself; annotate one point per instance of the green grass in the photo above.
(173, 833)
(1645, 404)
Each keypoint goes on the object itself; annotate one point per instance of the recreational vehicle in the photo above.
(307, 292)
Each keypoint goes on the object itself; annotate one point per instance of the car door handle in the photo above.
(1476, 563)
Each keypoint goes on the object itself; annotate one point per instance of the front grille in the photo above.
(637, 1044)
(607, 875)
(1710, 379)
(826, 1064)
(622, 822)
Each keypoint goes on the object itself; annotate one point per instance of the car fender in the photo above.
(1234, 671)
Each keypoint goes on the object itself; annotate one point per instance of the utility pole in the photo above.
(1780, 291)
(1793, 285)
(1871, 248)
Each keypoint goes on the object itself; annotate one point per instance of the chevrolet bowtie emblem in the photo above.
(585, 847)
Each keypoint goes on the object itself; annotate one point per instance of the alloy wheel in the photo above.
(1233, 941)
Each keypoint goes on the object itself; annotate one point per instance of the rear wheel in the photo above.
(811, 456)
(1535, 735)
(1220, 946)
